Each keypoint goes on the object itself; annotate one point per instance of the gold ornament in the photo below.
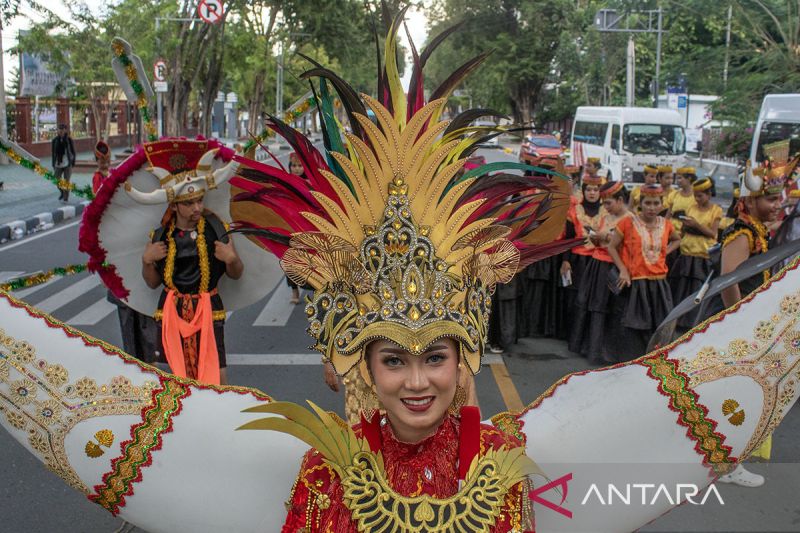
(729, 409)
(367, 493)
(459, 399)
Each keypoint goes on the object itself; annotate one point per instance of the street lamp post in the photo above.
(609, 20)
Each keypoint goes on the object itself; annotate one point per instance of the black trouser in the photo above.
(64, 173)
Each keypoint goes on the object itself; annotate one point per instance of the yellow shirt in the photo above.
(668, 198)
(697, 245)
(636, 197)
(680, 203)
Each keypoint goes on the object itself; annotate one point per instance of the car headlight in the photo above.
(627, 173)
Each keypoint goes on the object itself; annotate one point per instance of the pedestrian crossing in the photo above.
(81, 301)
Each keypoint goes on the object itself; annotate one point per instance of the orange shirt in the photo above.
(607, 223)
(644, 251)
(582, 223)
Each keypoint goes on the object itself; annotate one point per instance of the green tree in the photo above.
(524, 36)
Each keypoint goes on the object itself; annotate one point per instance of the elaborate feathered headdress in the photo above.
(395, 240)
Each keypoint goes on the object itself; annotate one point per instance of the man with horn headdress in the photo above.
(187, 255)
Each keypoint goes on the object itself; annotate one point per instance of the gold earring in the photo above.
(459, 399)
(370, 404)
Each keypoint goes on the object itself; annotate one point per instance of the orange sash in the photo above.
(174, 328)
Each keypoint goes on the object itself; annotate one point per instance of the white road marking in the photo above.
(273, 359)
(21, 294)
(278, 308)
(62, 298)
(10, 274)
(93, 314)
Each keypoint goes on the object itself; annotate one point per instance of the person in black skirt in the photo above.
(590, 312)
(692, 265)
(582, 220)
(639, 248)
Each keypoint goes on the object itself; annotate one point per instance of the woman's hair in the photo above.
(621, 194)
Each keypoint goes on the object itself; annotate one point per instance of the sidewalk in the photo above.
(29, 202)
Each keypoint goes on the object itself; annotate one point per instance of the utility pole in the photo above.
(609, 20)
(630, 82)
(658, 61)
(279, 84)
(727, 48)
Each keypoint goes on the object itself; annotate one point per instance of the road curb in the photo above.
(17, 229)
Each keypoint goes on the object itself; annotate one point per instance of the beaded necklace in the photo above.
(202, 254)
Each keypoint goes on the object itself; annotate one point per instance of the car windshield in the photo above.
(775, 132)
(659, 139)
(544, 142)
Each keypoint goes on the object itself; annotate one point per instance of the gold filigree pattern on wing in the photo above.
(39, 399)
(771, 358)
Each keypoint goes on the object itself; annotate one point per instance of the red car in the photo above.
(538, 145)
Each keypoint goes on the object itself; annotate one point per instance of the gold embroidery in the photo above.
(729, 409)
(367, 493)
(43, 403)
(104, 438)
(651, 239)
(771, 359)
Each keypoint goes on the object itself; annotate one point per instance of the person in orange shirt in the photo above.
(590, 312)
(699, 232)
(639, 248)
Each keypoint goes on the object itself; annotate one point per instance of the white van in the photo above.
(628, 138)
(778, 120)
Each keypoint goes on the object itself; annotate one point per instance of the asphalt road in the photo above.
(268, 349)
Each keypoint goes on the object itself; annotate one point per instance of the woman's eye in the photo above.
(435, 358)
(393, 361)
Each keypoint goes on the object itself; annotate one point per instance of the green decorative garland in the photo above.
(141, 99)
(85, 191)
(41, 277)
(289, 116)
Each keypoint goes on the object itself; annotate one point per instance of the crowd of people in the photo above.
(643, 251)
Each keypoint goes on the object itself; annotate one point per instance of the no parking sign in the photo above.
(210, 11)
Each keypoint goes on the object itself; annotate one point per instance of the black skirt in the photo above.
(503, 331)
(569, 295)
(685, 278)
(540, 304)
(590, 311)
(635, 314)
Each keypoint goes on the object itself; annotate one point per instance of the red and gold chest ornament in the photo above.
(374, 505)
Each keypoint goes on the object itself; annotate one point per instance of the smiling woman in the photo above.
(415, 391)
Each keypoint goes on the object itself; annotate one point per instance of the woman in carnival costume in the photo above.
(402, 259)
(639, 247)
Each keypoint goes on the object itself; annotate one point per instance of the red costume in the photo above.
(429, 467)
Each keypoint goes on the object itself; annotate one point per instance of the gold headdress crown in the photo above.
(396, 242)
